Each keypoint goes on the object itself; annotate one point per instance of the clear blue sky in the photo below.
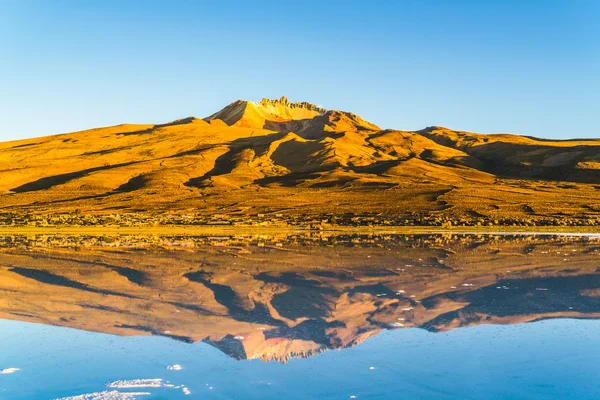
(526, 67)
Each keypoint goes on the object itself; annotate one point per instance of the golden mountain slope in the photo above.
(298, 158)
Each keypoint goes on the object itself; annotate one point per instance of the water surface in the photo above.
(303, 317)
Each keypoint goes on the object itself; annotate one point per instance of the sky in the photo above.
(525, 67)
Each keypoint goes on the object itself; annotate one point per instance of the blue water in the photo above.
(554, 359)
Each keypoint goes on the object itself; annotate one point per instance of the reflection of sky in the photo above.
(556, 359)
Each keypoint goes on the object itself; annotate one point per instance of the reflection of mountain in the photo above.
(277, 303)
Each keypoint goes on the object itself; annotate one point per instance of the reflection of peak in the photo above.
(285, 343)
(255, 345)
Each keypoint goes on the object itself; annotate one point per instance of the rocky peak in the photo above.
(280, 115)
(283, 101)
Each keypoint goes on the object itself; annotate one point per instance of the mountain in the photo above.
(308, 296)
(305, 119)
(298, 158)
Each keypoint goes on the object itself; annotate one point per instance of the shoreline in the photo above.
(195, 230)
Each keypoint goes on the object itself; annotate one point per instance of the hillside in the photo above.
(276, 156)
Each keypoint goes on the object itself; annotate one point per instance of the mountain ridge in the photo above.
(296, 157)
